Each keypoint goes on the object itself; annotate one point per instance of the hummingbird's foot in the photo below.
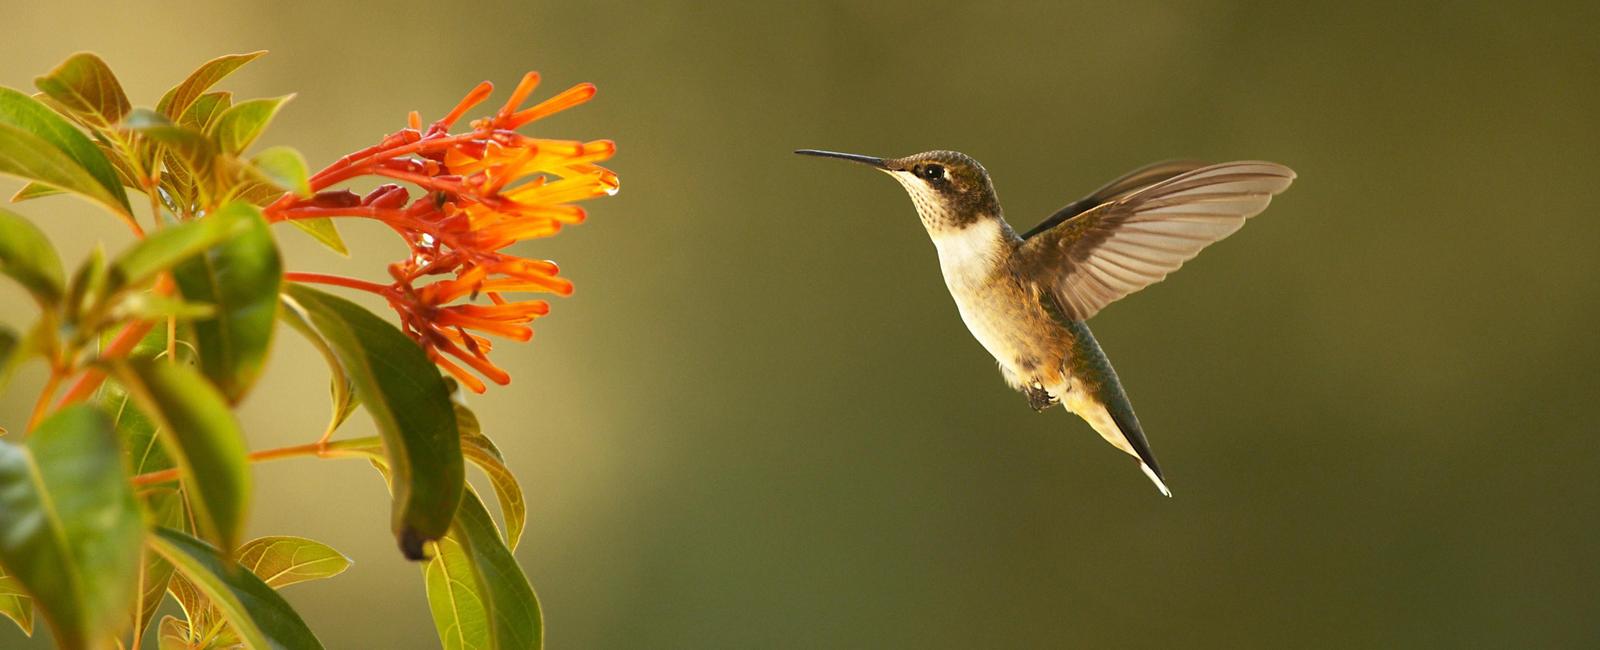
(1039, 398)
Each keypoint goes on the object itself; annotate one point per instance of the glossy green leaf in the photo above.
(202, 437)
(483, 453)
(261, 617)
(71, 526)
(283, 560)
(38, 144)
(165, 248)
(341, 393)
(15, 603)
(85, 86)
(177, 100)
(28, 257)
(150, 306)
(478, 595)
(240, 277)
(242, 123)
(410, 404)
(285, 168)
(33, 191)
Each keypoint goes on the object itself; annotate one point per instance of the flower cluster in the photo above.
(480, 191)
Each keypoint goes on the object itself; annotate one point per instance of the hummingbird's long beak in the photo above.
(865, 160)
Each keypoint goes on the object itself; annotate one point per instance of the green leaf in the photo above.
(71, 526)
(39, 145)
(165, 505)
(188, 143)
(85, 86)
(283, 167)
(29, 258)
(478, 595)
(242, 123)
(12, 349)
(483, 453)
(283, 560)
(205, 109)
(261, 617)
(240, 277)
(408, 401)
(33, 190)
(178, 99)
(166, 248)
(323, 230)
(15, 603)
(173, 634)
(341, 393)
(150, 306)
(201, 435)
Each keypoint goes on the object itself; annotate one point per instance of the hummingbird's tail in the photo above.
(1100, 401)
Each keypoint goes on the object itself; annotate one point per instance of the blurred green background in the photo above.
(759, 422)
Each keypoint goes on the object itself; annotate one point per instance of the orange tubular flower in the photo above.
(481, 191)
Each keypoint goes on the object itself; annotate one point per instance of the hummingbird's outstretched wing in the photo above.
(1132, 242)
(1116, 189)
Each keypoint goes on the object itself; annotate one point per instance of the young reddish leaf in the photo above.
(239, 277)
(178, 99)
(38, 144)
(478, 595)
(408, 401)
(28, 257)
(205, 109)
(71, 526)
(86, 88)
(283, 560)
(201, 435)
(188, 143)
(243, 122)
(261, 617)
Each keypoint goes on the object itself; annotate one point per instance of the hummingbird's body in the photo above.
(1025, 298)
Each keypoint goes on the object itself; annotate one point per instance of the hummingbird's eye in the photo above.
(933, 172)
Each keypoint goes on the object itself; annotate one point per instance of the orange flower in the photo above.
(481, 191)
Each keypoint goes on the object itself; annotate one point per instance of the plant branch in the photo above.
(320, 449)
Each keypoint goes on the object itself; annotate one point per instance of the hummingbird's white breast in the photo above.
(970, 258)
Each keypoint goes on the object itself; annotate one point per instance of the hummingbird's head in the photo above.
(949, 188)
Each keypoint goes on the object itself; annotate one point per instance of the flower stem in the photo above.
(338, 280)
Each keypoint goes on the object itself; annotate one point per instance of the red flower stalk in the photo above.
(481, 191)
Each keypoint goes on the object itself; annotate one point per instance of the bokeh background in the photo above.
(759, 422)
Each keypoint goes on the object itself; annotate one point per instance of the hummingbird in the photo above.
(1026, 297)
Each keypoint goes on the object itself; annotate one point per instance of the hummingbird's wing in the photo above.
(1132, 242)
(1116, 189)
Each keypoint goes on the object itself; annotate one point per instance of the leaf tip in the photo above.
(411, 544)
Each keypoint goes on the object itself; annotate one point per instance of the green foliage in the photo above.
(283, 560)
(240, 278)
(71, 526)
(28, 258)
(408, 401)
(39, 145)
(479, 597)
(133, 484)
(85, 88)
(260, 617)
